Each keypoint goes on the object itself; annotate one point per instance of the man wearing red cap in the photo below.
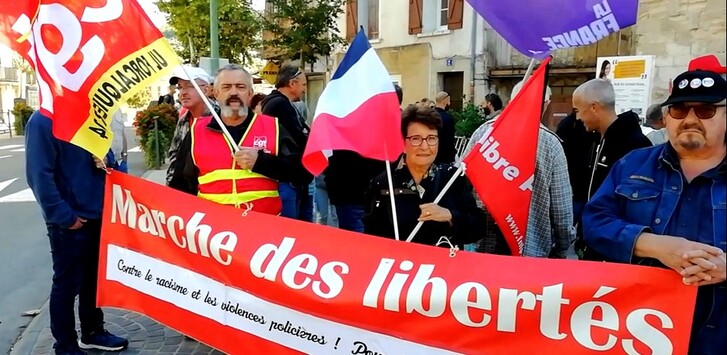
(665, 206)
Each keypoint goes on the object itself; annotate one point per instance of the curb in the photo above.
(25, 343)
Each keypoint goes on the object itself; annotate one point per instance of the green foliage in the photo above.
(304, 29)
(239, 27)
(467, 120)
(140, 99)
(22, 113)
(166, 121)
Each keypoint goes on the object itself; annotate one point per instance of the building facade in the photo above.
(434, 45)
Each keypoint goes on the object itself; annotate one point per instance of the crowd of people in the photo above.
(599, 182)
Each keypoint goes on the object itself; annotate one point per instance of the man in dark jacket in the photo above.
(595, 105)
(290, 87)
(69, 186)
(446, 135)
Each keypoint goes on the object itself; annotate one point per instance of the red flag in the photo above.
(502, 164)
(89, 56)
(358, 111)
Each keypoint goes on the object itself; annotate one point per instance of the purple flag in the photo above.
(537, 27)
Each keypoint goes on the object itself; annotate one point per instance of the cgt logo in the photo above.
(260, 142)
(57, 42)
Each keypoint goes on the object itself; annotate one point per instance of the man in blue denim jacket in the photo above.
(666, 205)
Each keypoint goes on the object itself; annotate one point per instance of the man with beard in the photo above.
(209, 167)
(665, 206)
(492, 107)
(193, 107)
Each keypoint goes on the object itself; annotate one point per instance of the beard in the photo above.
(486, 110)
(691, 140)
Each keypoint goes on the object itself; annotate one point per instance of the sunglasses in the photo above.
(704, 111)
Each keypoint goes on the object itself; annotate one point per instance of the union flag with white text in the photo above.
(502, 164)
(89, 56)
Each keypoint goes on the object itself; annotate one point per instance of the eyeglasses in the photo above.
(704, 111)
(416, 141)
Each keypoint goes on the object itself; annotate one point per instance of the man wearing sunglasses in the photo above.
(665, 206)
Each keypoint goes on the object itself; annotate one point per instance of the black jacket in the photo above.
(468, 221)
(278, 105)
(284, 167)
(579, 146)
(623, 136)
(446, 138)
(348, 177)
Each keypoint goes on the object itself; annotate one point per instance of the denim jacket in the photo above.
(641, 194)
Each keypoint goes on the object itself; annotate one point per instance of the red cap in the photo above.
(709, 63)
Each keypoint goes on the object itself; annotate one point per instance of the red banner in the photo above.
(501, 165)
(260, 284)
(89, 56)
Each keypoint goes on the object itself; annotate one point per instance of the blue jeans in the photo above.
(350, 217)
(75, 272)
(326, 214)
(297, 203)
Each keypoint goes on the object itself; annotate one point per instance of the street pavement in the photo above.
(25, 269)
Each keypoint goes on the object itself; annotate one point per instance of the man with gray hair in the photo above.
(655, 121)
(550, 220)
(290, 87)
(594, 103)
(209, 167)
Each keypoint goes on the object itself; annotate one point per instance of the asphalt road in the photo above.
(25, 264)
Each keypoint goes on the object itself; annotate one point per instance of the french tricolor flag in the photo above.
(357, 111)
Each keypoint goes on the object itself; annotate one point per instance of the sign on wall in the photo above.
(632, 78)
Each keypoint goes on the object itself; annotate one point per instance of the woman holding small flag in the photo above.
(417, 180)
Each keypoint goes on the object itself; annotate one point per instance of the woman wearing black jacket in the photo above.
(417, 182)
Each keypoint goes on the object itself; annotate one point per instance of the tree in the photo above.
(140, 99)
(239, 28)
(304, 30)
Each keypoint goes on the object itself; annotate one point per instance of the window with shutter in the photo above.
(455, 14)
(351, 19)
(373, 28)
(415, 16)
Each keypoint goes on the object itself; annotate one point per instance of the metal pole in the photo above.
(473, 55)
(156, 143)
(214, 37)
(10, 128)
(363, 15)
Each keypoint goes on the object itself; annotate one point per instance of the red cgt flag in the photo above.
(501, 165)
(89, 56)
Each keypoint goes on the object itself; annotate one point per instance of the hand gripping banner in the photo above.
(250, 283)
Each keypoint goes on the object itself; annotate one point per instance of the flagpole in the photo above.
(213, 112)
(439, 198)
(391, 197)
(529, 71)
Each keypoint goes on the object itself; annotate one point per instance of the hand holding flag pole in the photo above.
(462, 166)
